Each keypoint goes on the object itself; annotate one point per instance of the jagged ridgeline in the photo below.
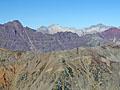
(77, 69)
(14, 36)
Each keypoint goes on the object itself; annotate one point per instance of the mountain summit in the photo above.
(13, 25)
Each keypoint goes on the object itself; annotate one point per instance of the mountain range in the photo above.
(87, 30)
(14, 36)
(60, 59)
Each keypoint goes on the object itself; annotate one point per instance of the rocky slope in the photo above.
(78, 69)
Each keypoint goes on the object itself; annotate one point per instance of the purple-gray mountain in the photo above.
(16, 37)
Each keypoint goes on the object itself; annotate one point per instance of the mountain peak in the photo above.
(97, 28)
(15, 24)
(16, 21)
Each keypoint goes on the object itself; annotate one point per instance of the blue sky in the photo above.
(73, 13)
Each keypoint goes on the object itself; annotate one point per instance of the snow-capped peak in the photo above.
(57, 28)
(97, 28)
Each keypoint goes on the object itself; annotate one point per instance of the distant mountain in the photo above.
(52, 29)
(14, 36)
(57, 28)
(88, 30)
(96, 28)
(112, 34)
(44, 30)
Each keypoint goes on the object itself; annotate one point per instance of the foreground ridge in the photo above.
(77, 69)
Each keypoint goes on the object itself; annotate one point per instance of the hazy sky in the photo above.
(75, 13)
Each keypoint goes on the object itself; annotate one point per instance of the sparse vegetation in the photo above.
(64, 70)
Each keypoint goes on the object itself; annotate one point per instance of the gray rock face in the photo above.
(12, 36)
